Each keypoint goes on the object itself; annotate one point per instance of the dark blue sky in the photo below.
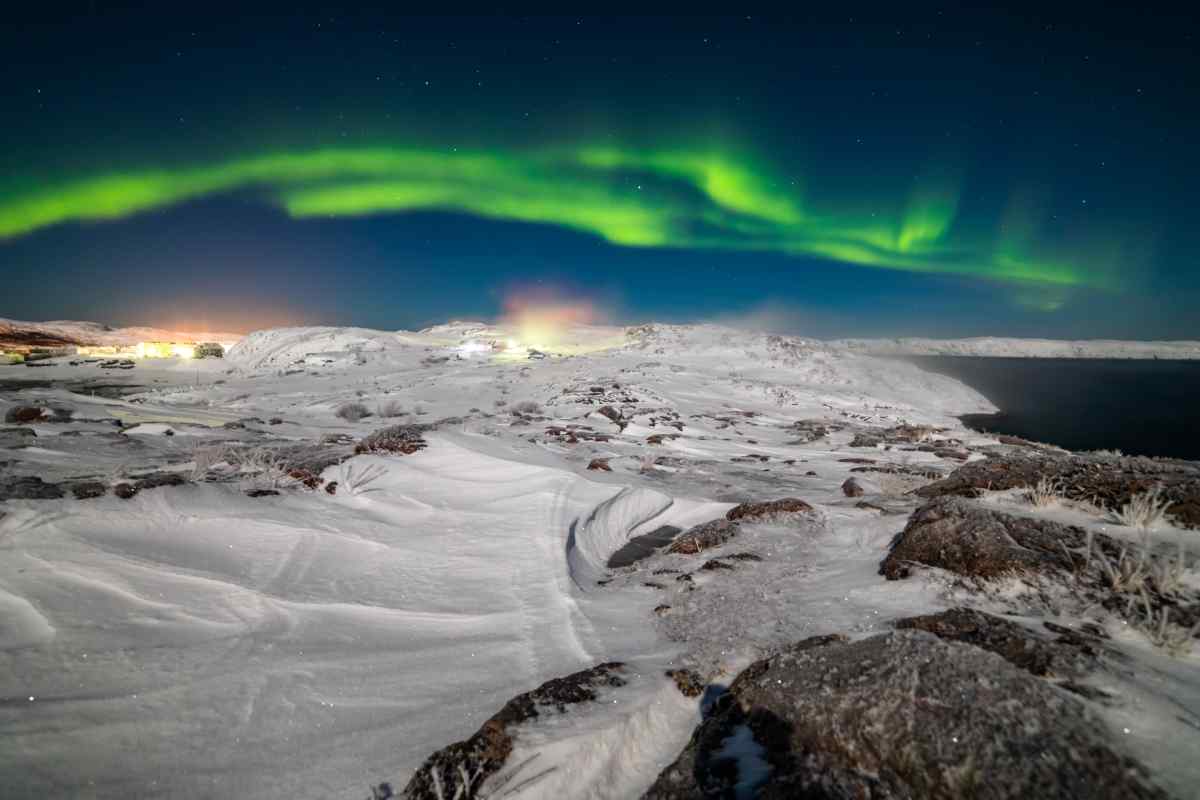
(857, 173)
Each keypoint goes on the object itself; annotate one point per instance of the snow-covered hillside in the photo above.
(213, 583)
(93, 333)
(993, 346)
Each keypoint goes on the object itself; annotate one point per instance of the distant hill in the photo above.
(997, 347)
(17, 334)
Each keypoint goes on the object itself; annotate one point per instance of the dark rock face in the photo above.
(485, 753)
(404, 439)
(1073, 653)
(959, 536)
(156, 480)
(899, 715)
(748, 512)
(12, 438)
(609, 412)
(599, 464)
(125, 491)
(810, 430)
(24, 414)
(27, 487)
(1109, 482)
(704, 536)
(852, 488)
(86, 490)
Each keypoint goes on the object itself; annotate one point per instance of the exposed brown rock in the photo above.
(1072, 653)
(690, 683)
(852, 488)
(487, 750)
(125, 491)
(703, 537)
(899, 715)
(956, 535)
(403, 439)
(599, 464)
(86, 490)
(1109, 482)
(748, 512)
(22, 415)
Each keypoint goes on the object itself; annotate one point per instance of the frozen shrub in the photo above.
(353, 412)
(1046, 494)
(358, 481)
(405, 439)
(1144, 511)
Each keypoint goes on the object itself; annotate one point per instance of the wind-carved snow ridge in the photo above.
(607, 528)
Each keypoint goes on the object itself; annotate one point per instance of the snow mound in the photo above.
(282, 347)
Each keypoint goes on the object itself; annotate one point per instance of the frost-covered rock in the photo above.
(898, 715)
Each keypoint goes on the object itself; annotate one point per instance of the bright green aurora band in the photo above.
(675, 198)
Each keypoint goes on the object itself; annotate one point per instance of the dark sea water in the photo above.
(1137, 407)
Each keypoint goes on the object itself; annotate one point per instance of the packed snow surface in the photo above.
(196, 641)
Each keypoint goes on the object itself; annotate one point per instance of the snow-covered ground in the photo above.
(994, 346)
(194, 641)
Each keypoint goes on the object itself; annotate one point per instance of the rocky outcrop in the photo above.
(898, 715)
(704, 537)
(750, 512)
(403, 439)
(1070, 654)
(460, 769)
(959, 536)
(27, 487)
(1104, 480)
(22, 415)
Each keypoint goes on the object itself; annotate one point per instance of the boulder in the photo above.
(599, 464)
(86, 490)
(852, 488)
(703, 537)
(25, 414)
(749, 512)
(898, 715)
(964, 538)
(1072, 653)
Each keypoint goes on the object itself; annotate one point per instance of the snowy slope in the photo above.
(93, 333)
(1022, 348)
(194, 641)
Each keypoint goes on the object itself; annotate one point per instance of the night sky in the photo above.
(859, 172)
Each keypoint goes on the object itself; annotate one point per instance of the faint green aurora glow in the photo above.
(687, 198)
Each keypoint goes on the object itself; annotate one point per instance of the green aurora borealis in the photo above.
(961, 172)
(668, 197)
